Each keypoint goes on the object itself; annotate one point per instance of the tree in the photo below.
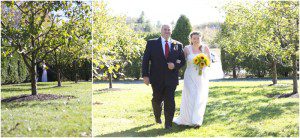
(267, 29)
(134, 69)
(32, 33)
(115, 43)
(181, 33)
(284, 16)
(182, 30)
(139, 24)
(141, 19)
(13, 69)
(77, 46)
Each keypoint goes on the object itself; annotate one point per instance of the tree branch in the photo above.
(46, 34)
(47, 52)
(20, 9)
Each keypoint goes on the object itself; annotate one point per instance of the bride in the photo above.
(195, 90)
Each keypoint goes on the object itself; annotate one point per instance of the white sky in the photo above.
(166, 11)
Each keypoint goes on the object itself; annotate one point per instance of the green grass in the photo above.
(60, 117)
(235, 108)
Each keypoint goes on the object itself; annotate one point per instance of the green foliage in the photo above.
(77, 46)
(256, 66)
(261, 30)
(181, 33)
(115, 43)
(284, 71)
(182, 30)
(149, 36)
(133, 69)
(140, 24)
(29, 28)
(83, 70)
(13, 69)
(141, 19)
(58, 32)
(33, 29)
(228, 61)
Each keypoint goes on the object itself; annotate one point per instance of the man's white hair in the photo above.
(167, 24)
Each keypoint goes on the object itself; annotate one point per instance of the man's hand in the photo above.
(146, 80)
(171, 65)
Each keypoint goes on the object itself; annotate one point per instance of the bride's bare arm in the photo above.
(207, 51)
(186, 51)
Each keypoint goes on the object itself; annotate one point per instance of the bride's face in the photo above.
(196, 39)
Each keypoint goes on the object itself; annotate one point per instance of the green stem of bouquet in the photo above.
(200, 71)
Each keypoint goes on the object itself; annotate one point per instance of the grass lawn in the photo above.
(60, 117)
(235, 108)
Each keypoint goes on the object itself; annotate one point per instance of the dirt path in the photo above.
(215, 71)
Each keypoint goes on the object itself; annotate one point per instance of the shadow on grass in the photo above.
(14, 89)
(236, 102)
(219, 91)
(121, 82)
(33, 104)
(215, 111)
(28, 84)
(136, 131)
(27, 100)
(214, 80)
(265, 113)
(246, 131)
(222, 111)
(28, 88)
(271, 111)
(248, 79)
(15, 105)
(63, 86)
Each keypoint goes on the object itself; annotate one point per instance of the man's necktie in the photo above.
(166, 50)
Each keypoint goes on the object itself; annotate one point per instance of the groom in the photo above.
(166, 57)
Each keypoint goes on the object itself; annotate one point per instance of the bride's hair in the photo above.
(194, 33)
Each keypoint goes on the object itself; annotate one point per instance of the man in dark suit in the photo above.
(165, 57)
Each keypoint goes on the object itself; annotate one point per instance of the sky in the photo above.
(166, 11)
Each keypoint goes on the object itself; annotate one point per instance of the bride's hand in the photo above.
(171, 65)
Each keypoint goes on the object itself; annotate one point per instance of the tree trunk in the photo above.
(234, 72)
(274, 72)
(295, 84)
(258, 73)
(76, 71)
(19, 70)
(33, 76)
(294, 59)
(110, 80)
(58, 78)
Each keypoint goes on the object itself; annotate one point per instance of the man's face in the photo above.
(166, 31)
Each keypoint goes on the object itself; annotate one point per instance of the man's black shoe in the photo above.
(168, 127)
(158, 121)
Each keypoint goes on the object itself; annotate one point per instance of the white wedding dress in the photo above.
(194, 93)
(44, 75)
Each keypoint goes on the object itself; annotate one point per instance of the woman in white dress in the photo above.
(44, 76)
(195, 90)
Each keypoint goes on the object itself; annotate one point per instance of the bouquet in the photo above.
(201, 61)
